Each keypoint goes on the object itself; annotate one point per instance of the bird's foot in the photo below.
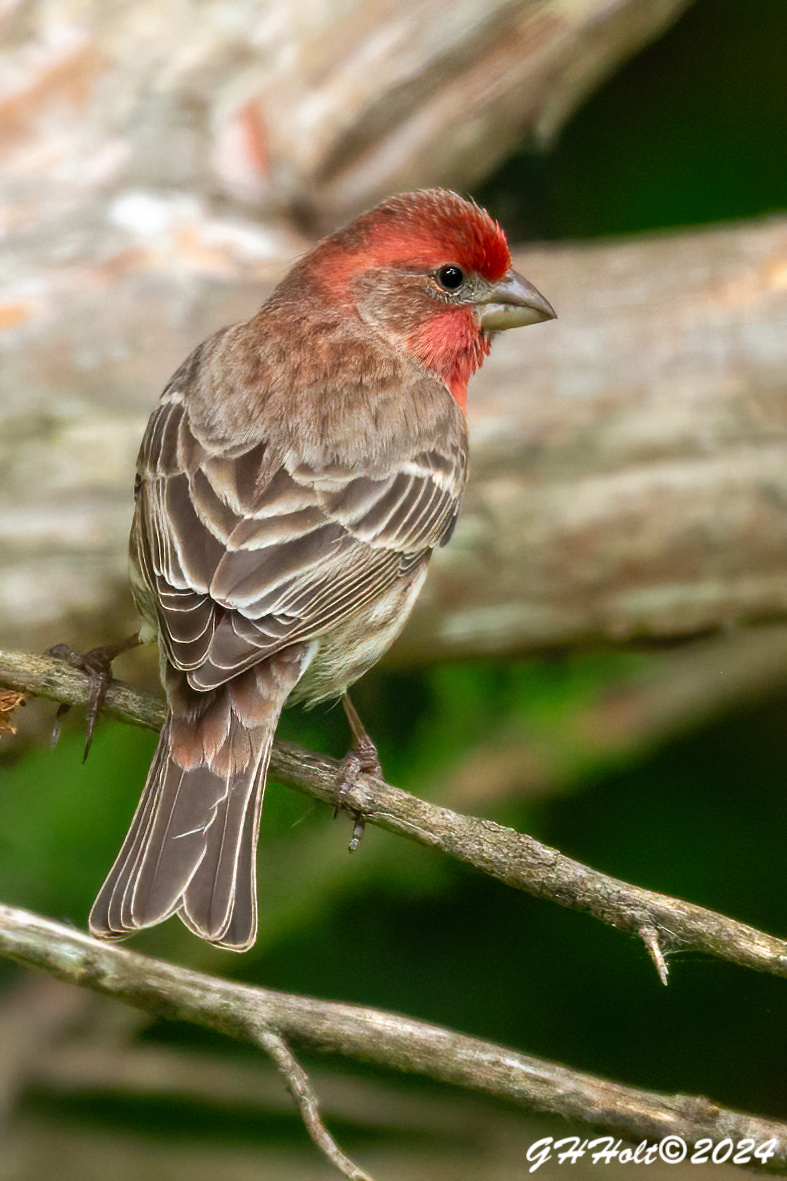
(363, 759)
(356, 762)
(97, 667)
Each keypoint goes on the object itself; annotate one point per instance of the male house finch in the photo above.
(292, 483)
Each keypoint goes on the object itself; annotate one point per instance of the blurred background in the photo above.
(600, 657)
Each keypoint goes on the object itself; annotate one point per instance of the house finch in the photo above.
(292, 483)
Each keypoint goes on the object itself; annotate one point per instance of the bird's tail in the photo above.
(191, 847)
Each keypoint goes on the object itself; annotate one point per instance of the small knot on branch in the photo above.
(650, 937)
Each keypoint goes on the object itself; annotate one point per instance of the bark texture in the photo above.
(628, 474)
(628, 462)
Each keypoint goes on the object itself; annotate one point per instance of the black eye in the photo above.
(450, 278)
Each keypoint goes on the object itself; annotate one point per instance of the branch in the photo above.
(628, 469)
(379, 101)
(373, 1036)
(319, 117)
(665, 925)
(297, 1082)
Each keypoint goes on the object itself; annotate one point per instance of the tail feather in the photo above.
(191, 847)
(119, 912)
(218, 898)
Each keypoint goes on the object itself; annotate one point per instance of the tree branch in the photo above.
(628, 469)
(373, 1036)
(297, 1082)
(666, 925)
(318, 117)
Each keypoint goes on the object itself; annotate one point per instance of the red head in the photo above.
(424, 229)
(430, 273)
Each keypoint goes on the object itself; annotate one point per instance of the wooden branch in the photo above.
(383, 100)
(665, 925)
(374, 1036)
(318, 111)
(628, 462)
(297, 1082)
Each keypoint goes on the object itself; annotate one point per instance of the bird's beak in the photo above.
(513, 302)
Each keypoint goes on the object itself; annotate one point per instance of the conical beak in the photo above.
(512, 303)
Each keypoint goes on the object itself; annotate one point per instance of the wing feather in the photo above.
(246, 556)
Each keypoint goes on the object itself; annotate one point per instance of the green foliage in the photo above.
(59, 821)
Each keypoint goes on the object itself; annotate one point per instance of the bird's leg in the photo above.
(362, 758)
(97, 667)
(363, 752)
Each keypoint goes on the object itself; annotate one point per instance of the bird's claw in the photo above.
(361, 760)
(97, 667)
(62, 710)
(358, 828)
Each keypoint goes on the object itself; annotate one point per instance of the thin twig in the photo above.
(375, 1036)
(297, 1083)
(511, 857)
(650, 938)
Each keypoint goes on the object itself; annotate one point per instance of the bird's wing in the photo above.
(245, 557)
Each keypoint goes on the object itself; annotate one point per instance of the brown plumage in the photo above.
(292, 483)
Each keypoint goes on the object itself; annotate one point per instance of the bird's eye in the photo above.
(450, 278)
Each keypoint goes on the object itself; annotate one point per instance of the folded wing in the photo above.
(247, 556)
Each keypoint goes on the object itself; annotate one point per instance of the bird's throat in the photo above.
(451, 345)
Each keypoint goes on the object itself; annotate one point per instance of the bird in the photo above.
(292, 483)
